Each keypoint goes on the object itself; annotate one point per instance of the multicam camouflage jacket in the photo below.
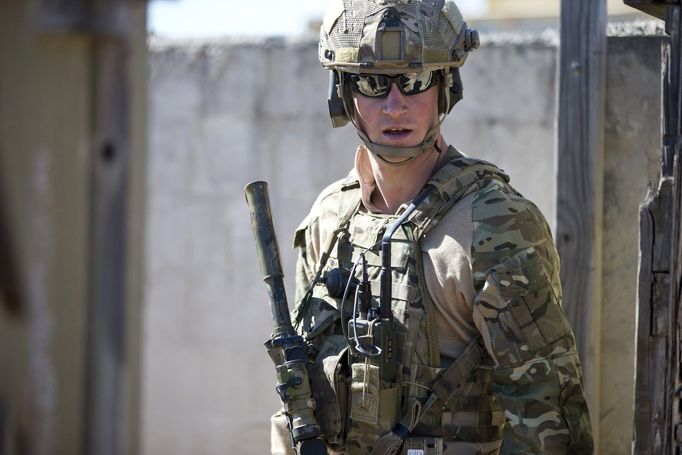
(516, 384)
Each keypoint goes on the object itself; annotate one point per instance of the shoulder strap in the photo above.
(457, 178)
(349, 204)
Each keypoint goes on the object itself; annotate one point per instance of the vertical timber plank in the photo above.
(580, 156)
(110, 23)
(107, 362)
(654, 326)
(661, 432)
(673, 146)
(643, 374)
(658, 381)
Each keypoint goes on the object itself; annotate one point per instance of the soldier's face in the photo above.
(397, 119)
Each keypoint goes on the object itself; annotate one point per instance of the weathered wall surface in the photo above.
(631, 164)
(223, 114)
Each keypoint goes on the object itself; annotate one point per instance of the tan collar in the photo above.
(368, 185)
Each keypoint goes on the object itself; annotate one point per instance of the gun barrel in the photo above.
(268, 253)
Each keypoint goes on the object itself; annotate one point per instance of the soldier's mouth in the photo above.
(397, 132)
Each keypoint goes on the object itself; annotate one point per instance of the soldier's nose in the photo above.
(394, 104)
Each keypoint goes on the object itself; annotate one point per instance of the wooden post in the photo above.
(108, 25)
(672, 161)
(579, 158)
(658, 381)
(654, 7)
(652, 380)
(107, 360)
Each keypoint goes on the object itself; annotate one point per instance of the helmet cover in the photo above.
(394, 36)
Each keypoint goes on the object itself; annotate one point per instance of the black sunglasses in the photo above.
(378, 85)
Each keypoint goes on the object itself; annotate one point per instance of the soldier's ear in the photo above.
(337, 110)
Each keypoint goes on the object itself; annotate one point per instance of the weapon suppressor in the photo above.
(268, 254)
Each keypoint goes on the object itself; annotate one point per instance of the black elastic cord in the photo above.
(385, 311)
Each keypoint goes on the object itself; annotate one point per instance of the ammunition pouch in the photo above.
(373, 401)
(330, 373)
(330, 379)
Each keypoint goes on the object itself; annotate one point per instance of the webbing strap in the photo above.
(483, 433)
(448, 381)
(427, 303)
(445, 384)
(456, 178)
(344, 220)
(458, 403)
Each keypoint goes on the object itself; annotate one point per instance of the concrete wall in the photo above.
(225, 113)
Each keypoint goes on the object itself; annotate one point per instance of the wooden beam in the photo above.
(655, 8)
(654, 326)
(672, 134)
(658, 374)
(579, 158)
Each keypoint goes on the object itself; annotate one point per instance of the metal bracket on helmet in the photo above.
(472, 40)
(390, 37)
(467, 40)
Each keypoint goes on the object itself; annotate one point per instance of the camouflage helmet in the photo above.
(394, 37)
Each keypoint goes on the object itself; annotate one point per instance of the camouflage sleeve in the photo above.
(536, 376)
(280, 442)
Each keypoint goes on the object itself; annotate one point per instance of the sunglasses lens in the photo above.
(412, 83)
(373, 85)
(378, 85)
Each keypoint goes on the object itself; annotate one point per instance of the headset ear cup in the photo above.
(456, 90)
(443, 96)
(337, 110)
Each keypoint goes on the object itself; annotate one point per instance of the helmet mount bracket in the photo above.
(390, 37)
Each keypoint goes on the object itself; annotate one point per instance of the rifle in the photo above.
(286, 348)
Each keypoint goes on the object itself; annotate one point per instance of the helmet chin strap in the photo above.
(382, 152)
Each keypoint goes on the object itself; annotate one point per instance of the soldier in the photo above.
(427, 287)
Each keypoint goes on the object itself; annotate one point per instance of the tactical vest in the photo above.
(422, 410)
